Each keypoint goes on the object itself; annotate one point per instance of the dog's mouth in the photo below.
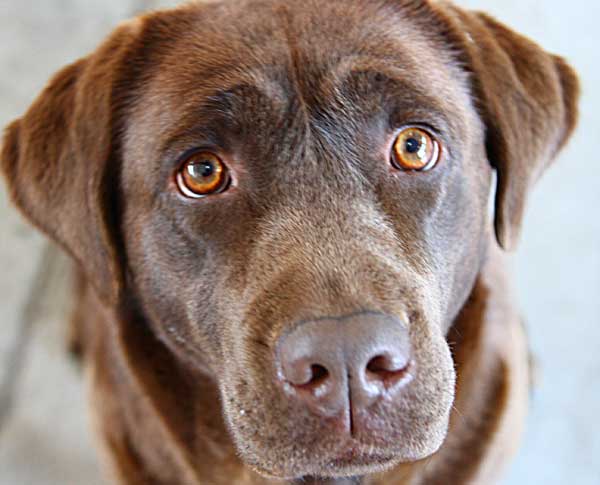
(348, 465)
(354, 459)
(354, 456)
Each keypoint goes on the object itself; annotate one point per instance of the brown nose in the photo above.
(344, 364)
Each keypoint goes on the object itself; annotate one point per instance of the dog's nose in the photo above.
(345, 364)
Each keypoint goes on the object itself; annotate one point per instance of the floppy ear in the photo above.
(528, 101)
(59, 161)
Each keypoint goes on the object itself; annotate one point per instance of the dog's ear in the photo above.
(59, 162)
(528, 101)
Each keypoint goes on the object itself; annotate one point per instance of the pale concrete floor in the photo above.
(557, 268)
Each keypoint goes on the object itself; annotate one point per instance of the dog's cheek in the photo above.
(175, 284)
(258, 429)
(427, 404)
(462, 237)
(433, 394)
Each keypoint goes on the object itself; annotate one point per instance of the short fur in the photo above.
(181, 302)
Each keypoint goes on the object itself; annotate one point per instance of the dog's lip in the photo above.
(348, 459)
(354, 456)
(354, 453)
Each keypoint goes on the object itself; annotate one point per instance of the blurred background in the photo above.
(46, 438)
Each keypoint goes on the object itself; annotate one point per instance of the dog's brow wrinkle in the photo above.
(295, 68)
(225, 100)
(390, 81)
(228, 104)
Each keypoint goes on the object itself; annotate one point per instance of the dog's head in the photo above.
(295, 194)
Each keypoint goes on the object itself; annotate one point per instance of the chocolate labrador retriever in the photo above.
(279, 215)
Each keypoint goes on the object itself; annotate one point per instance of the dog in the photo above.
(287, 268)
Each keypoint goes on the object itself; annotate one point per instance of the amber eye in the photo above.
(415, 149)
(202, 174)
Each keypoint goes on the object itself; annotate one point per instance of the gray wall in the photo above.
(557, 268)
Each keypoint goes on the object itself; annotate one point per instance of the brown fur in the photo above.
(181, 303)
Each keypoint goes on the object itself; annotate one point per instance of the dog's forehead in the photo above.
(271, 46)
(228, 42)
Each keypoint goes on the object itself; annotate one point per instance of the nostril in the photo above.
(382, 363)
(315, 385)
(318, 375)
(388, 369)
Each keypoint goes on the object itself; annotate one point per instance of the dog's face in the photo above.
(318, 218)
(282, 180)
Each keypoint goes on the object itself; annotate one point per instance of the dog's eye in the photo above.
(202, 174)
(415, 149)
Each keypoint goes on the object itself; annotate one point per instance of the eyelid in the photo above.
(184, 143)
(424, 125)
(184, 156)
(402, 116)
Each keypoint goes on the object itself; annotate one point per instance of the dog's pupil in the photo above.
(412, 145)
(206, 169)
